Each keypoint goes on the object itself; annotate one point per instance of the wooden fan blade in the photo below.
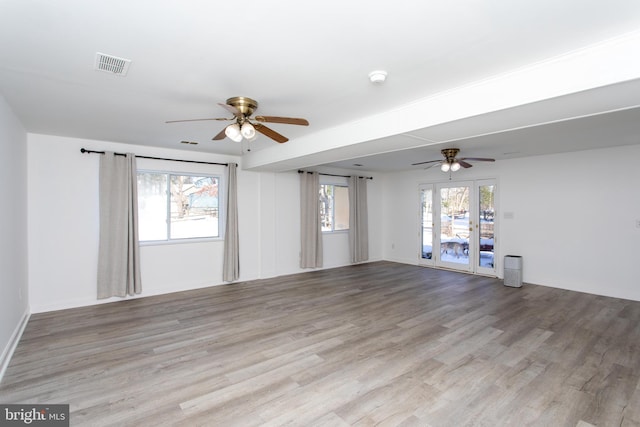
(233, 110)
(220, 135)
(424, 163)
(464, 164)
(438, 163)
(285, 120)
(270, 133)
(478, 159)
(197, 120)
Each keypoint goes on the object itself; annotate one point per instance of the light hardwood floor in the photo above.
(374, 344)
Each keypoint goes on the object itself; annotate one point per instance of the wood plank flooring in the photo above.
(375, 344)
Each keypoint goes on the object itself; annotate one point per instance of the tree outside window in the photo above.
(334, 207)
(172, 206)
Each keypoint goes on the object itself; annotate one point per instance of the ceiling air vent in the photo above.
(112, 64)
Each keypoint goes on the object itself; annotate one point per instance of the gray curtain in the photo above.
(358, 220)
(310, 227)
(119, 251)
(231, 266)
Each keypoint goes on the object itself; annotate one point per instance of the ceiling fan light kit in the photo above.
(453, 167)
(246, 126)
(248, 131)
(233, 132)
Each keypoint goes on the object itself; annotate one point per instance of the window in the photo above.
(334, 207)
(174, 207)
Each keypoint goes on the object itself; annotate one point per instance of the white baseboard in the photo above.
(87, 302)
(13, 343)
(410, 261)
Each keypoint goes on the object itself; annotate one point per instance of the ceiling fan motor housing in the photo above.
(450, 154)
(245, 105)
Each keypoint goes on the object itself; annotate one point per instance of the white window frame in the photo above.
(221, 208)
(335, 182)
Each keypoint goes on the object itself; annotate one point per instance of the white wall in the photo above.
(64, 226)
(574, 222)
(335, 245)
(574, 217)
(14, 304)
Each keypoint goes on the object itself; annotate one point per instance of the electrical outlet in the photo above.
(637, 223)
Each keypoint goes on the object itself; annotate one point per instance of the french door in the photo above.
(454, 223)
(457, 226)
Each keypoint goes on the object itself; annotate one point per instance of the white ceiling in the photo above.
(312, 60)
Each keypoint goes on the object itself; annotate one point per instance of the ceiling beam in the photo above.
(602, 64)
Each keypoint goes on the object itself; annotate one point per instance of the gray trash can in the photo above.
(513, 271)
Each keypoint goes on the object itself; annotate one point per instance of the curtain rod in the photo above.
(84, 150)
(341, 176)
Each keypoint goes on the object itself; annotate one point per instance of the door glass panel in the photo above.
(454, 225)
(487, 211)
(427, 224)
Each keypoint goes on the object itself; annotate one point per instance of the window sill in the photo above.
(181, 241)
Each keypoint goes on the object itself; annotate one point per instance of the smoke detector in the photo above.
(378, 76)
(112, 64)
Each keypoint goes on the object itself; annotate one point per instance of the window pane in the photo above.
(427, 223)
(487, 214)
(152, 206)
(194, 206)
(326, 207)
(454, 225)
(340, 208)
(334, 207)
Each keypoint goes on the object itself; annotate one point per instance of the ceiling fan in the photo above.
(451, 162)
(245, 126)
